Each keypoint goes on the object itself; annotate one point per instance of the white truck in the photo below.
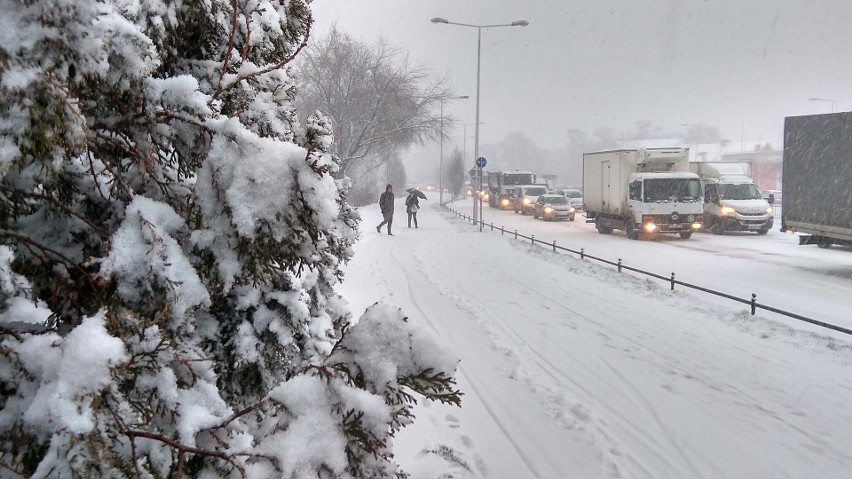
(502, 186)
(732, 202)
(642, 191)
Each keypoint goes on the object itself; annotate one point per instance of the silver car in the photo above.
(575, 197)
(553, 208)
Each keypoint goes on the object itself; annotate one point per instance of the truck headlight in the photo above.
(727, 211)
(650, 227)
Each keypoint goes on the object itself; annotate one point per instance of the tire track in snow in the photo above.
(560, 377)
(482, 398)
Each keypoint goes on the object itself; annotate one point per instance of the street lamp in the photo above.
(516, 23)
(441, 162)
(825, 99)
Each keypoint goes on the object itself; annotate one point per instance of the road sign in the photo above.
(480, 162)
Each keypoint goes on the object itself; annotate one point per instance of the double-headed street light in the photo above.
(441, 162)
(517, 23)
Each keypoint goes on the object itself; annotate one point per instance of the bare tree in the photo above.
(378, 103)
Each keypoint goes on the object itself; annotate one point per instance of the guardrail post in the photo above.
(673, 281)
(502, 231)
(516, 234)
(583, 253)
(492, 226)
(532, 239)
(753, 303)
(619, 265)
(554, 246)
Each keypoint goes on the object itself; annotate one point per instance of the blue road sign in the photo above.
(480, 162)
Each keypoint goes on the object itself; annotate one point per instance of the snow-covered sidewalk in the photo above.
(571, 369)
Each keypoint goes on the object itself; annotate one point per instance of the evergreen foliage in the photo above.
(170, 238)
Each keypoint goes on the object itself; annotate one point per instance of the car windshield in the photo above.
(572, 193)
(671, 189)
(739, 192)
(556, 200)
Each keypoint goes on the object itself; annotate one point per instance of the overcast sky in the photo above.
(740, 65)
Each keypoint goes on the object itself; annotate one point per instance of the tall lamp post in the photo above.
(464, 137)
(832, 101)
(516, 23)
(441, 162)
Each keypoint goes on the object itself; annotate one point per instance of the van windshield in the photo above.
(671, 189)
(743, 191)
(535, 191)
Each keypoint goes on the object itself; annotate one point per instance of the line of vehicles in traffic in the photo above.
(641, 192)
(649, 191)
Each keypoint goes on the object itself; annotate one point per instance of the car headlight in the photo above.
(505, 202)
(485, 197)
(526, 201)
(571, 209)
(769, 210)
(727, 211)
(548, 209)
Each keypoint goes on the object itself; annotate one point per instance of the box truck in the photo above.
(502, 185)
(639, 191)
(732, 202)
(817, 178)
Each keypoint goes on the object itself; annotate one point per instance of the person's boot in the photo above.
(389, 233)
(379, 229)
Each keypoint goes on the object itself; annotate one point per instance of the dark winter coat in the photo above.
(386, 203)
(410, 204)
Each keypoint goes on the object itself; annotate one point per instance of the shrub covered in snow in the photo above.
(171, 237)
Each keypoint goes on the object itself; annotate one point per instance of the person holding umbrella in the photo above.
(412, 204)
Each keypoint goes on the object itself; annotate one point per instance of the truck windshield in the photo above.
(743, 191)
(671, 189)
(517, 179)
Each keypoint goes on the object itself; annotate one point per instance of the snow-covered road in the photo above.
(571, 369)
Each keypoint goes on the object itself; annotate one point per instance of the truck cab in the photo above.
(734, 203)
(663, 202)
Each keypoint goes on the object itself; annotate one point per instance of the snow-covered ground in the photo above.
(571, 369)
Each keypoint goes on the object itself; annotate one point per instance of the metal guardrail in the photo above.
(752, 302)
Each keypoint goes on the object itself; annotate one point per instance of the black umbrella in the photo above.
(417, 192)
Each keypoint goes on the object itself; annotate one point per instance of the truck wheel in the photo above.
(603, 229)
(571, 218)
(535, 216)
(686, 234)
(630, 229)
(824, 244)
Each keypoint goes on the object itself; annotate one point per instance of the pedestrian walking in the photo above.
(412, 204)
(386, 205)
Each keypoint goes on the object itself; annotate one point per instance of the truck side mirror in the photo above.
(771, 198)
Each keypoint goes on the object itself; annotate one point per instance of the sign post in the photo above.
(480, 164)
